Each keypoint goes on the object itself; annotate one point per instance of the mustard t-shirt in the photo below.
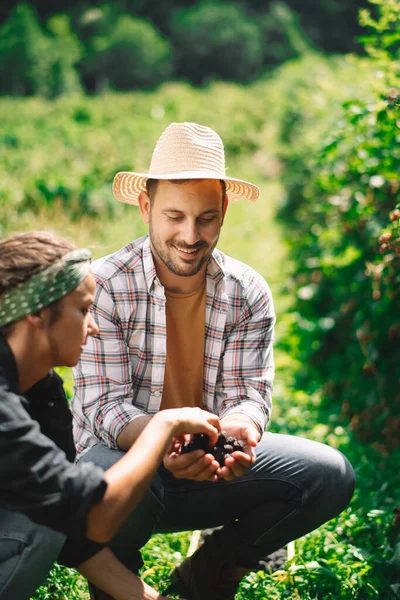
(183, 380)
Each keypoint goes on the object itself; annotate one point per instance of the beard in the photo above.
(176, 264)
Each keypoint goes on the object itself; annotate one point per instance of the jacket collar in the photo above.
(8, 365)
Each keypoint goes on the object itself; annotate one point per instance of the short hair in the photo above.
(151, 187)
(25, 254)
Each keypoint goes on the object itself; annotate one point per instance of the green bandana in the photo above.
(45, 287)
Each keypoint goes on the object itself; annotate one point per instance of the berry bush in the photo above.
(341, 158)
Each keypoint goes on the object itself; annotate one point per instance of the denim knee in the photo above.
(27, 553)
(336, 481)
(342, 478)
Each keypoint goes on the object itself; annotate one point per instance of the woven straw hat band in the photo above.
(184, 151)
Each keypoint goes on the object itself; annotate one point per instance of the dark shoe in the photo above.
(275, 561)
(184, 584)
(97, 594)
(225, 587)
(210, 573)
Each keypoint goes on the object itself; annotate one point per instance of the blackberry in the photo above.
(223, 448)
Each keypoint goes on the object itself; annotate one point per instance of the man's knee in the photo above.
(317, 470)
(339, 478)
(332, 482)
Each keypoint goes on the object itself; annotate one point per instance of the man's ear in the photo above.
(224, 208)
(144, 205)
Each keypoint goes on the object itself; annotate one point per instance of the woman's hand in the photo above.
(193, 420)
(197, 465)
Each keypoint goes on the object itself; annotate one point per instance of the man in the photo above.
(182, 324)
(46, 289)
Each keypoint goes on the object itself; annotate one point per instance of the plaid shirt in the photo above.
(121, 372)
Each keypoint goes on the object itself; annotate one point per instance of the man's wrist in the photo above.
(129, 434)
(240, 417)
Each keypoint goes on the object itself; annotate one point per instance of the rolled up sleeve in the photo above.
(247, 372)
(102, 403)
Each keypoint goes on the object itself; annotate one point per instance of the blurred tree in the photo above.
(33, 62)
(230, 39)
(216, 40)
(24, 53)
(283, 35)
(332, 25)
(66, 51)
(128, 53)
(159, 13)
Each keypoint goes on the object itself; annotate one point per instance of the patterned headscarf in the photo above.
(45, 287)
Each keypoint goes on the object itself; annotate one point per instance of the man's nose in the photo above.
(92, 328)
(190, 232)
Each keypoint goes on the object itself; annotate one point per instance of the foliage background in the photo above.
(51, 48)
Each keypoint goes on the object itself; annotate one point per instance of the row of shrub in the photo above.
(63, 154)
(339, 143)
(103, 47)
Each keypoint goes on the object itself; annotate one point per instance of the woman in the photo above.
(46, 290)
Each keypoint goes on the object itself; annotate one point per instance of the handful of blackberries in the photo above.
(226, 444)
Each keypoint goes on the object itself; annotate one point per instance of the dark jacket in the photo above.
(37, 475)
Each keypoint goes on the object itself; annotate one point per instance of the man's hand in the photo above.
(197, 465)
(244, 429)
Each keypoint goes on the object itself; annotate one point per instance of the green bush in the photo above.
(283, 37)
(215, 40)
(33, 61)
(341, 170)
(66, 51)
(24, 53)
(127, 54)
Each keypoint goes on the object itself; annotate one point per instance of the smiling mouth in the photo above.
(188, 252)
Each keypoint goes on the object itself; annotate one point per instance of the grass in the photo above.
(353, 556)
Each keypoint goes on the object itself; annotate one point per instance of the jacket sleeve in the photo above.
(48, 405)
(35, 476)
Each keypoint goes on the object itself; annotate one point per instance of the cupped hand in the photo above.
(237, 464)
(196, 465)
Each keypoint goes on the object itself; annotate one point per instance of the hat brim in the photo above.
(127, 185)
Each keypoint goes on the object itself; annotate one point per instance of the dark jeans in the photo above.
(294, 487)
(27, 553)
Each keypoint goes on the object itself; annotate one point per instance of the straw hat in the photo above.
(184, 151)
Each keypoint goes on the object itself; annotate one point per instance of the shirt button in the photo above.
(51, 404)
